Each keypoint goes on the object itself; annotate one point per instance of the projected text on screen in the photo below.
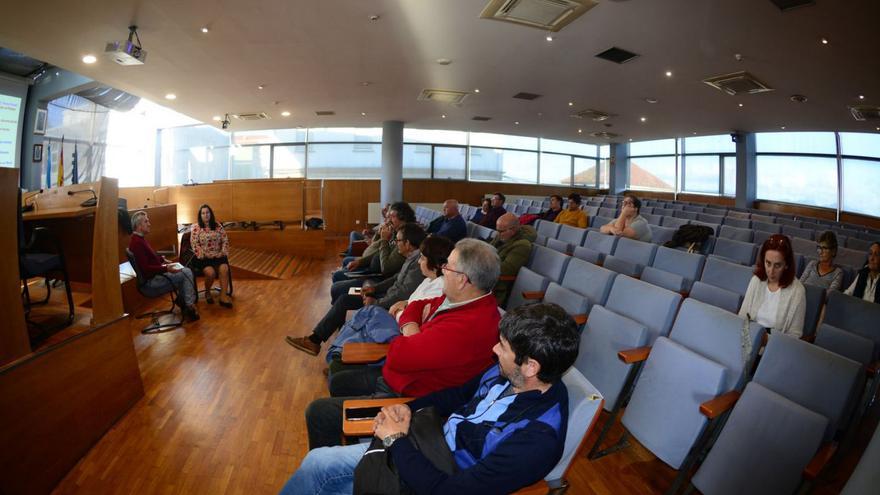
(10, 107)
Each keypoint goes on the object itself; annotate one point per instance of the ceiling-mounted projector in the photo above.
(127, 52)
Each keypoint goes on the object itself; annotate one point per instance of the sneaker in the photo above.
(304, 344)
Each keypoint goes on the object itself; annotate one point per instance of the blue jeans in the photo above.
(326, 471)
(182, 281)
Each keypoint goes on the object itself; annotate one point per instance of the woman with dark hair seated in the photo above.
(865, 285)
(823, 272)
(211, 248)
(775, 298)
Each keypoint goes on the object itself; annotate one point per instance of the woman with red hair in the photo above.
(775, 298)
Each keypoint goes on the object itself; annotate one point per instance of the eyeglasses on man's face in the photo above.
(822, 247)
(445, 267)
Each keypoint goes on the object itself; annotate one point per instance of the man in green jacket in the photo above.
(514, 245)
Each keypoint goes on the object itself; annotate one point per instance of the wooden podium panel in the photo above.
(14, 341)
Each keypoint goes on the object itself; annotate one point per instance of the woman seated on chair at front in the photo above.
(211, 248)
(776, 299)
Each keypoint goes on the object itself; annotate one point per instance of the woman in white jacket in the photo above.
(775, 298)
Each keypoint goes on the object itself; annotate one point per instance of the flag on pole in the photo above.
(49, 166)
(61, 164)
(75, 178)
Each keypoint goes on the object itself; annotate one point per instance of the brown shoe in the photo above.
(304, 344)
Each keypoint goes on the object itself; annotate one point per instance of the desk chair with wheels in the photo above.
(187, 255)
(156, 325)
(33, 261)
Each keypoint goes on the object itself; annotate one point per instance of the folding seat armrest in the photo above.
(636, 355)
(872, 368)
(808, 338)
(533, 294)
(364, 427)
(507, 278)
(818, 462)
(579, 319)
(684, 294)
(363, 352)
(715, 407)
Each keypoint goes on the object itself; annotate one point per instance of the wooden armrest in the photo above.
(507, 278)
(819, 460)
(579, 319)
(872, 368)
(364, 427)
(363, 352)
(764, 338)
(715, 407)
(630, 356)
(533, 294)
(808, 338)
(684, 294)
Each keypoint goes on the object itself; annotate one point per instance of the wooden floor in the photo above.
(223, 411)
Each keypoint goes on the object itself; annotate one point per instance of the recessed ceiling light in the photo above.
(824, 41)
(443, 116)
(171, 96)
(549, 38)
(216, 118)
(285, 114)
(366, 83)
(630, 139)
(516, 123)
(783, 128)
(580, 131)
(643, 119)
(878, 128)
(363, 114)
(669, 73)
(205, 29)
(651, 100)
(739, 105)
(260, 86)
(374, 18)
(89, 59)
(571, 103)
(476, 90)
(444, 61)
(861, 97)
(695, 134)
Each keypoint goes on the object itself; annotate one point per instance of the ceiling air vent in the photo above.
(738, 83)
(551, 15)
(443, 95)
(252, 116)
(324, 113)
(481, 119)
(594, 115)
(785, 5)
(617, 55)
(603, 135)
(526, 96)
(865, 112)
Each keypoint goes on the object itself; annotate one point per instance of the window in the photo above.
(345, 161)
(861, 182)
(449, 162)
(196, 154)
(346, 134)
(487, 140)
(248, 162)
(796, 142)
(659, 147)
(417, 161)
(729, 175)
(604, 165)
(798, 179)
(289, 162)
(860, 144)
(434, 137)
(657, 173)
(503, 165)
(269, 136)
(568, 147)
(584, 172)
(701, 173)
(555, 169)
(709, 144)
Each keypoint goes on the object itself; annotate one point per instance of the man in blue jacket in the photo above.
(451, 225)
(506, 427)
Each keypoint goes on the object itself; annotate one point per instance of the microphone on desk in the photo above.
(89, 202)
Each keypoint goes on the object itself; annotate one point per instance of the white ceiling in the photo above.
(313, 55)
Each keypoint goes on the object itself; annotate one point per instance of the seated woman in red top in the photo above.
(211, 248)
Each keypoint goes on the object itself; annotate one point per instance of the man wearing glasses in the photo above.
(630, 223)
(514, 244)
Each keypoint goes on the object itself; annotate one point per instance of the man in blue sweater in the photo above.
(451, 225)
(506, 427)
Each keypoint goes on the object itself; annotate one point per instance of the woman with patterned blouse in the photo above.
(211, 248)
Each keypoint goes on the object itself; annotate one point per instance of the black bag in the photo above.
(692, 236)
(314, 223)
(376, 474)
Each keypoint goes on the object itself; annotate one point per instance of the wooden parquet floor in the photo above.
(223, 411)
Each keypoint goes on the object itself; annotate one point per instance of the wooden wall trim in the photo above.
(797, 210)
(14, 341)
(57, 403)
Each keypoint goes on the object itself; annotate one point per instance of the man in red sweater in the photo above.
(445, 341)
(158, 272)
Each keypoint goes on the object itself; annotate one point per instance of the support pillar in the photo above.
(391, 185)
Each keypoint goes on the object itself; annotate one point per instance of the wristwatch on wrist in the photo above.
(389, 440)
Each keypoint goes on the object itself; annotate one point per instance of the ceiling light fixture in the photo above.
(824, 41)
(643, 119)
(476, 90)
(444, 61)
(740, 105)
(366, 83)
(171, 96)
(580, 131)
(443, 116)
(89, 59)
(669, 73)
(861, 97)
(363, 114)
(216, 118)
(260, 86)
(651, 100)
(285, 114)
(695, 134)
(571, 103)
(516, 123)
(549, 38)
(630, 139)
(205, 29)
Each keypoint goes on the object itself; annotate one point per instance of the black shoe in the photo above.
(190, 314)
(226, 304)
